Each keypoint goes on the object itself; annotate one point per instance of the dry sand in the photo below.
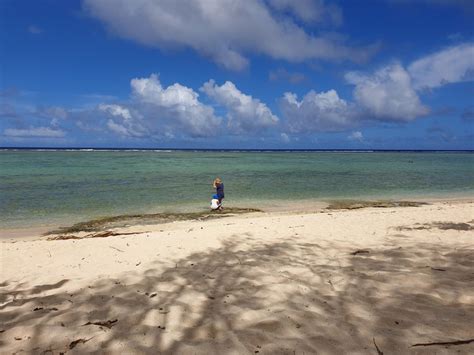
(362, 281)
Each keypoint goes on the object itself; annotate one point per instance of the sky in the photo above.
(249, 74)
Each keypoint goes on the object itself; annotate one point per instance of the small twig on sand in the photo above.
(73, 344)
(456, 342)
(360, 252)
(109, 324)
(379, 352)
(117, 249)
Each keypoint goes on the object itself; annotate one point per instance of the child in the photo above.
(219, 186)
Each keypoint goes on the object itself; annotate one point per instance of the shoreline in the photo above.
(280, 207)
(332, 281)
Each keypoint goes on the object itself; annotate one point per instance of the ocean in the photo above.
(59, 187)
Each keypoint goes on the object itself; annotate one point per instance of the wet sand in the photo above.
(397, 280)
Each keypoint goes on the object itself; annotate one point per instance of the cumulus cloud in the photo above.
(224, 30)
(315, 112)
(122, 122)
(451, 65)
(244, 113)
(153, 111)
(387, 94)
(175, 108)
(390, 93)
(45, 132)
(116, 110)
(159, 112)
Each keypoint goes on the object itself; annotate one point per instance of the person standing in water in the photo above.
(219, 186)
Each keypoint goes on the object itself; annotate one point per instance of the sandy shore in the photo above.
(332, 282)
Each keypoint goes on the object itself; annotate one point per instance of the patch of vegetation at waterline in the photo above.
(102, 224)
(356, 204)
(467, 226)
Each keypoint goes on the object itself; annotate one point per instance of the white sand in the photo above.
(275, 283)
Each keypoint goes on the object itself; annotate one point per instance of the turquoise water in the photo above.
(51, 187)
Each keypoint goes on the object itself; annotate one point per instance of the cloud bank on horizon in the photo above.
(234, 35)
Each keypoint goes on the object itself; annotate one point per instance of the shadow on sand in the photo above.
(285, 298)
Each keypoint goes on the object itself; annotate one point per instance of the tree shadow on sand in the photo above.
(287, 298)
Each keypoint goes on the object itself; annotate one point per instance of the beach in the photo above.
(373, 280)
(232, 177)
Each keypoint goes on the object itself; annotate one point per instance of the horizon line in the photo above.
(239, 149)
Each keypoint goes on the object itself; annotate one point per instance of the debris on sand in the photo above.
(45, 309)
(360, 252)
(354, 204)
(108, 324)
(73, 344)
(106, 223)
(455, 342)
(103, 234)
(468, 226)
(379, 352)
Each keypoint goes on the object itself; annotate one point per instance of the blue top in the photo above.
(220, 190)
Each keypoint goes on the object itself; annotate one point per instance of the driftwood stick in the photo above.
(379, 352)
(456, 342)
(360, 252)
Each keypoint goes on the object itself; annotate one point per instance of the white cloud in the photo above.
(356, 136)
(321, 112)
(123, 122)
(387, 94)
(34, 132)
(224, 30)
(452, 65)
(244, 113)
(153, 111)
(116, 110)
(118, 128)
(285, 138)
(173, 109)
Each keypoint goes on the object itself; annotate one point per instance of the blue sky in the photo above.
(385, 74)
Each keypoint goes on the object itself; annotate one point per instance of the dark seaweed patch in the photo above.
(355, 204)
(440, 225)
(103, 224)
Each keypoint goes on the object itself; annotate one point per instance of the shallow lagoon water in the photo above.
(58, 187)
